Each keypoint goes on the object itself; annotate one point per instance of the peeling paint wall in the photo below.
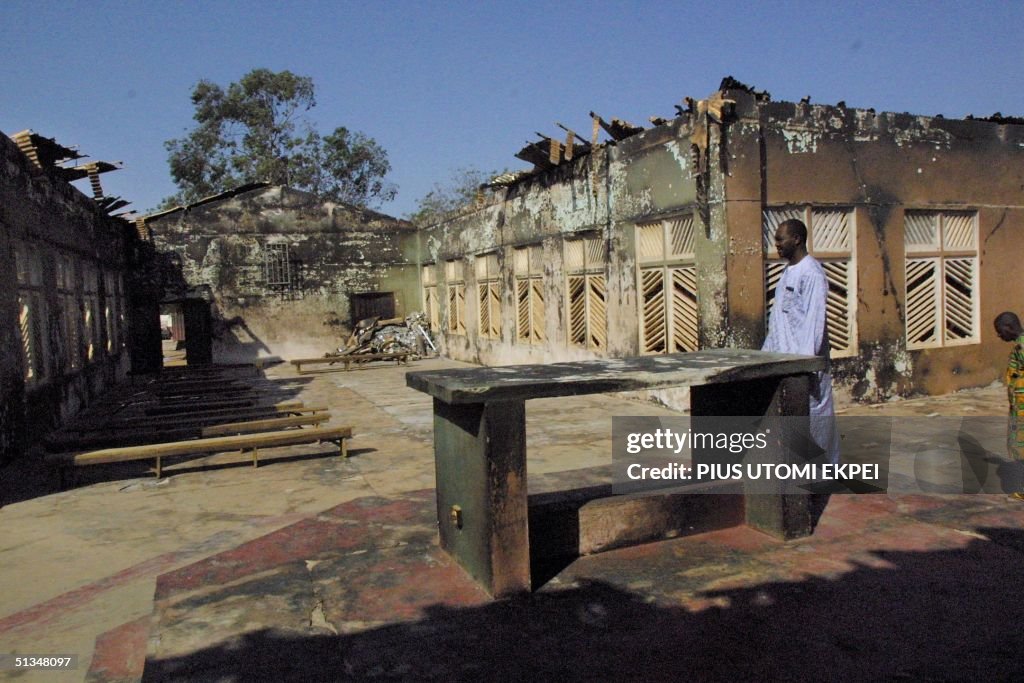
(601, 195)
(880, 166)
(726, 169)
(44, 220)
(333, 250)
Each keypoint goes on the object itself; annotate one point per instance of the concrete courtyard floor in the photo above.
(314, 567)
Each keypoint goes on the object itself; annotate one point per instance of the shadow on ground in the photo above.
(938, 615)
(29, 476)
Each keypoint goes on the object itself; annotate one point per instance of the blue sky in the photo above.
(443, 85)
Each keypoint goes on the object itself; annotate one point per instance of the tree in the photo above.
(258, 130)
(460, 190)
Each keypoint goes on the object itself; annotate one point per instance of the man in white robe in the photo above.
(797, 325)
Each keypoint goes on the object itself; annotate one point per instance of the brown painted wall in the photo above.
(880, 165)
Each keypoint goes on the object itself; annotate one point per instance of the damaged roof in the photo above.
(368, 214)
(548, 152)
(46, 154)
(226, 194)
(70, 173)
(43, 152)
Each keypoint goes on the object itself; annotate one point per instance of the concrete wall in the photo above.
(602, 195)
(569, 200)
(725, 169)
(334, 250)
(45, 226)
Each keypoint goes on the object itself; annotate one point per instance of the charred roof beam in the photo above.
(43, 152)
(617, 129)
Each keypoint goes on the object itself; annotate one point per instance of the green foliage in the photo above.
(258, 130)
(460, 189)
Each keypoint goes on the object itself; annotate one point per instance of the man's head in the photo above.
(791, 240)
(1008, 326)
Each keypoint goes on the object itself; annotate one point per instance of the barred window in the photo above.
(586, 288)
(456, 286)
(667, 272)
(488, 284)
(529, 276)
(942, 297)
(276, 264)
(830, 239)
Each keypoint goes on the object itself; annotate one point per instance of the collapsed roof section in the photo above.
(549, 151)
(44, 152)
(48, 155)
(141, 221)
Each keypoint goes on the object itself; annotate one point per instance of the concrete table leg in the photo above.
(480, 456)
(781, 514)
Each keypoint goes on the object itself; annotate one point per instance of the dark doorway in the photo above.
(198, 332)
(144, 338)
(373, 304)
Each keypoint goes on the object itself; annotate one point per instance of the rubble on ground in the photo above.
(393, 335)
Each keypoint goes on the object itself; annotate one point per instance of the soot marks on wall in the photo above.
(825, 160)
(282, 266)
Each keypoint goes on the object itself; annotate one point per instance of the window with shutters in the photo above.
(488, 287)
(529, 276)
(456, 284)
(32, 315)
(70, 313)
(277, 271)
(942, 303)
(585, 262)
(113, 311)
(431, 305)
(830, 239)
(668, 285)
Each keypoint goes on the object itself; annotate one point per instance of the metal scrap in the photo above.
(394, 335)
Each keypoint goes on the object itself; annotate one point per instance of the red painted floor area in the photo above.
(912, 588)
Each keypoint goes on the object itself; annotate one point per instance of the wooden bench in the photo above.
(199, 418)
(177, 394)
(189, 407)
(243, 442)
(198, 372)
(149, 434)
(480, 441)
(186, 385)
(269, 425)
(399, 357)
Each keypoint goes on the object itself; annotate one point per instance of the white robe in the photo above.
(797, 325)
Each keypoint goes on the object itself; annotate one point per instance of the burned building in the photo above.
(659, 240)
(65, 317)
(269, 271)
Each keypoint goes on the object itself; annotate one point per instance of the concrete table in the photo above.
(480, 440)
